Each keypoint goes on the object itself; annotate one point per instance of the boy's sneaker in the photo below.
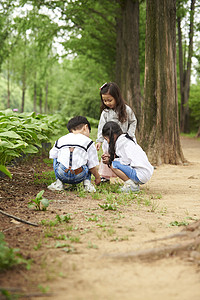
(130, 185)
(88, 186)
(105, 180)
(56, 186)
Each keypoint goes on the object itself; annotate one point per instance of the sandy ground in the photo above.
(96, 273)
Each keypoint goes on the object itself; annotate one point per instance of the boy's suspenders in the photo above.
(71, 149)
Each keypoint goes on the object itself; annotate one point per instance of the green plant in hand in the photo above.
(39, 203)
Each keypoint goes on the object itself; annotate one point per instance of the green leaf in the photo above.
(10, 134)
(45, 202)
(30, 149)
(5, 171)
(39, 195)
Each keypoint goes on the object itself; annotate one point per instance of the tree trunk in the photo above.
(8, 85)
(198, 133)
(127, 55)
(23, 88)
(35, 96)
(46, 97)
(40, 100)
(23, 98)
(185, 71)
(160, 134)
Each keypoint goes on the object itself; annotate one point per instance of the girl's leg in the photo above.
(125, 172)
(128, 175)
(120, 174)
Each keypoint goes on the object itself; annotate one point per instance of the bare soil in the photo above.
(106, 254)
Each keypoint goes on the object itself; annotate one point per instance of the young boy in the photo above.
(75, 157)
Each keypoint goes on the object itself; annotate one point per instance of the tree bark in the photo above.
(185, 71)
(127, 55)
(160, 134)
(35, 95)
(46, 97)
(8, 85)
(40, 100)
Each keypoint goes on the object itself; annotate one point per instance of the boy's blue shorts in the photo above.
(70, 177)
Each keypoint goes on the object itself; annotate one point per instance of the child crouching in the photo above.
(75, 157)
(126, 158)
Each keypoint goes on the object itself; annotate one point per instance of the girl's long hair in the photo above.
(111, 130)
(112, 89)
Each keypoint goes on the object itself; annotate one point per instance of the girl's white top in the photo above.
(84, 151)
(130, 153)
(128, 126)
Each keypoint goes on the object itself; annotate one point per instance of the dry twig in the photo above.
(18, 219)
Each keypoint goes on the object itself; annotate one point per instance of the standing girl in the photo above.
(113, 108)
(126, 158)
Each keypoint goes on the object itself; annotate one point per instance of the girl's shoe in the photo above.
(129, 186)
(56, 186)
(88, 186)
(105, 180)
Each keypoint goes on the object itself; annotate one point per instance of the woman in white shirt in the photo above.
(126, 158)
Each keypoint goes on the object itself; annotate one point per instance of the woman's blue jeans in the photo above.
(68, 177)
(128, 170)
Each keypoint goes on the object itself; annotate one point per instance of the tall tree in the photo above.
(185, 62)
(94, 32)
(127, 54)
(6, 9)
(160, 135)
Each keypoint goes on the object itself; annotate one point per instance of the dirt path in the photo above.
(83, 259)
(94, 275)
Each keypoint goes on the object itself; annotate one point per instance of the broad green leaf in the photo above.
(30, 149)
(45, 202)
(39, 195)
(10, 134)
(5, 171)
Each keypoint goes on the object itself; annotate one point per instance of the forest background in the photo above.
(55, 55)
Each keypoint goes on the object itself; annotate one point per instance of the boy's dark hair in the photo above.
(112, 89)
(109, 129)
(77, 123)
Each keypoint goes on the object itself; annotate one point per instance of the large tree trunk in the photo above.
(185, 70)
(160, 134)
(127, 55)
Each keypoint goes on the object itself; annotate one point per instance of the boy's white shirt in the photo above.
(130, 153)
(80, 157)
(110, 115)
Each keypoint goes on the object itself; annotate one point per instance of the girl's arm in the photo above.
(132, 122)
(102, 121)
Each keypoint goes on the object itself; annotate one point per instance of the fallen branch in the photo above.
(156, 252)
(190, 231)
(171, 236)
(18, 219)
